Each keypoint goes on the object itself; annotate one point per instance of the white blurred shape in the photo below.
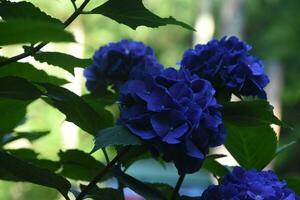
(205, 27)
(205, 24)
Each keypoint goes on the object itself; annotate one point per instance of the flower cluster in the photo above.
(227, 64)
(244, 184)
(118, 62)
(176, 114)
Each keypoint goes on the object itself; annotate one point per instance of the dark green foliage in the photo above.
(215, 167)
(31, 156)
(250, 139)
(117, 135)
(24, 10)
(76, 109)
(133, 14)
(136, 152)
(165, 189)
(30, 31)
(103, 194)
(256, 112)
(145, 190)
(25, 171)
(99, 104)
(294, 184)
(79, 165)
(65, 61)
(252, 147)
(12, 114)
(18, 88)
(30, 136)
(29, 72)
(284, 147)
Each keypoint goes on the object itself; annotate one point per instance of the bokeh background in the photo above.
(272, 27)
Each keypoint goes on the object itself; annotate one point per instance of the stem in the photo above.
(74, 4)
(105, 155)
(120, 185)
(42, 44)
(101, 174)
(177, 187)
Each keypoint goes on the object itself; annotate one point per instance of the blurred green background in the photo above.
(272, 27)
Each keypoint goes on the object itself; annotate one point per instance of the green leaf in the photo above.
(215, 167)
(79, 165)
(135, 153)
(284, 147)
(76, 109)
(12, 114)
(23, 153)
(294, 184)
(18, 88)
(30, 136)
(29, 72)
(65, 61)
(117, 135)
(253, 146)
(29, 31)
(31, 156)
(145, 190)
(28, 172)
(133, 14)
(103, 194)
(24, 10)
(164, 188)
(99, 105)
(248, 113)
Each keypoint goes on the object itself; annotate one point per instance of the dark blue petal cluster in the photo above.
(174, 112)
(227, 64)
(118, 62)
(244, 184)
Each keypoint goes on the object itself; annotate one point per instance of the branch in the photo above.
(74, 4)
(101, 174)
(105, 155)
(177, 187)
(42, 44)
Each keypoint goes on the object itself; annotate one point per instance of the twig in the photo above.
(101, 174)
(74, 4)
(42, 44)
(105, 155)
(120, 184)
(177, 187)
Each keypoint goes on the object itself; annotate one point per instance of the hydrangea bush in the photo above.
(138, 109)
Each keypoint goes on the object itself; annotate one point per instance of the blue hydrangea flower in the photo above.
(118, 62)
(243, 184)
(176, 114)
(226, 63)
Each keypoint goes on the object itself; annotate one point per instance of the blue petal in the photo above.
(192, 150)
(144, 134)
(180, 90)
(160, 100)
(174, 134)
